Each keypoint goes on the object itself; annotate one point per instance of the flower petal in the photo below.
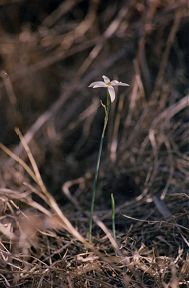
(117, 83)
(123, 84)
(106, 79)
(97, 84)
(111, 93)
(114, 82)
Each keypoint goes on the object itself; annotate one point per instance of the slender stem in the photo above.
(113, 215)
(106, 110)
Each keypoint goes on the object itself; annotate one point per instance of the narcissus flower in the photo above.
(109, 85)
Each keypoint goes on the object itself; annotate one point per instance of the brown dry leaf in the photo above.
(30, 223)
(52, 222)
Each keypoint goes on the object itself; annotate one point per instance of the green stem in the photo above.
(113, 215)
(106, 109)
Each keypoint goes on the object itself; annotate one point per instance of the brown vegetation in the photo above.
(50, 51)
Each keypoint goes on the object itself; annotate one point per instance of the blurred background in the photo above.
(50, 51)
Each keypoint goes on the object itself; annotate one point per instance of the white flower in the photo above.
(109, 85)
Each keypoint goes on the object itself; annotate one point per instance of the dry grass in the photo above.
(48, 56)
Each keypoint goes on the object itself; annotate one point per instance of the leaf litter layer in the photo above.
(49, 55)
